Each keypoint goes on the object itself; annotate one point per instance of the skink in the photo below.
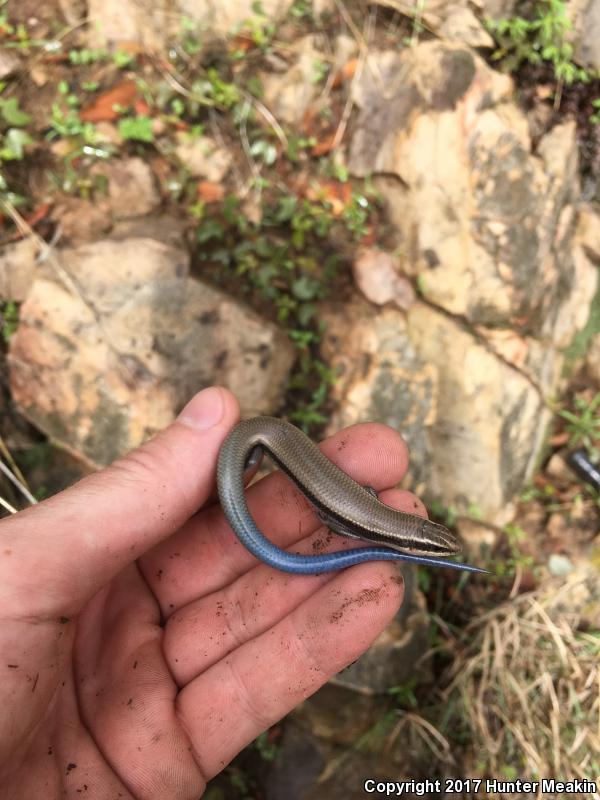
(342, 504)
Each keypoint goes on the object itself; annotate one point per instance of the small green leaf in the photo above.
(137, 129)
(305, 288)
(266, 151)
(11, 112)
(14, 144)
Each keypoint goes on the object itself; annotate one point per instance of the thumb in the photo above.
(54, 556)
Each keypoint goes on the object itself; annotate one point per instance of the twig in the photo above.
(11, 462)
(246, 147)
(362, 44)
(343, 124)
(16, 482)
(268, 115)
(5, 504)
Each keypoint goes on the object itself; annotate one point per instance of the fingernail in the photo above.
(204, 410)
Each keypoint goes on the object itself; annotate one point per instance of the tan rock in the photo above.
(489, 230)
(588, 231)
(464, 412)
(592, 361)
(461, 25)
(377, 278)
(203, 157)
(143, 21)
(132, 188)
(477, 538)
(9, 63)
(18, 266)
(585, 16)
(289, 95)
(102, 367)
(453, 21)
(154, 23)
(74, 11)
(82, 220)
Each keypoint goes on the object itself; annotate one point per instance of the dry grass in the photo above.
(527, 685)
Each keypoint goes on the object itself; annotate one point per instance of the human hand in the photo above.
(143, 647)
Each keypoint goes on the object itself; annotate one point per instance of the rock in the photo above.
(203, 157)
(132, 189)
(479, 540)
(18, 265)
(108, 133)
(559, 566)
(289, 95)
(587, 234)
(592, 360)
(494, 237)
(497, 9)
(345, 48)
(101, 368)
(39, 75)
(323, 8)
(463, 411)
(9, 63)
(339, 715)
(164, 228)
(143, 21)
(82, 220)
(453, 21)
(154, 23)
(585, 15)
(461, 25)
(559, 469)
(576, 599)
(376, 276)
(74, 11)
(484, 224)
(299, 762)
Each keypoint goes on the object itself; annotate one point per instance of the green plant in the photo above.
(136, 129)
(86, 56)
(13, 139)
(17, 35)
(213, 90)
(404, 693)
(595, 117)
(356, 215)
(417, 24)
(515, 535)
(302, 9)
(6, 28)
(542, 38)
(298, 144)
(10, 111)
(285, 261)
(320, 69)
(65, 122)
(260, 27)
(583, 425)
(7, 196)
(122, 59)
(14, 142)
(266, 748)
(9, 319)
(447, 514)
(264, 150)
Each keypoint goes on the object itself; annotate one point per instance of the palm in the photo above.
(189, 653)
